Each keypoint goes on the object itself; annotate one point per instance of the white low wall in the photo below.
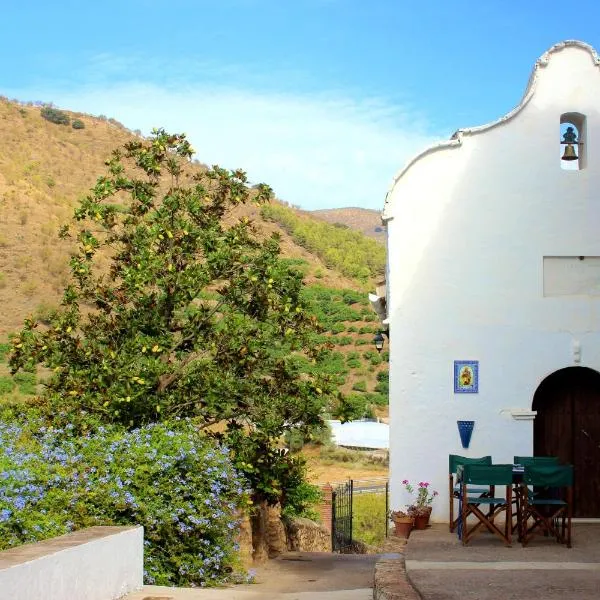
(98, 563)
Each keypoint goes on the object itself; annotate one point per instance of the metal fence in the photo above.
(343, 529)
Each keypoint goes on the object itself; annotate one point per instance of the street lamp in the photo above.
(379, 340)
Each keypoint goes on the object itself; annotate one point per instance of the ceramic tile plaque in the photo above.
(466, 376)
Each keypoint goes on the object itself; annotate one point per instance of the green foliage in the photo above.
(355, 406)
(26, 382)
(360, 386)
(4, 350)
(54, 115)
(383, 382)
(369, 520)
(7, 385)
(368, 329)
(150, 347)
(329, 307)
(362, 342)
(301, 502)
(78, 124)
(169, 479)
(373, 357)
(349, 252)
(377, 398)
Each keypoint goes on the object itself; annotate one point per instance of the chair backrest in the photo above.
(536, 460)
(454, 460)
(548, 475)
(488, 474)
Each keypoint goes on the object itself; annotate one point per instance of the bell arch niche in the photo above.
(572, 141)
(567, 425)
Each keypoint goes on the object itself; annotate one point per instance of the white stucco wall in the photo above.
(469, 225)
(98, 563)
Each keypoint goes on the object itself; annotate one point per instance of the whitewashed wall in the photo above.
(97, 563)
(469, 225)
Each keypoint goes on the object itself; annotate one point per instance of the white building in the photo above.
(494, 258)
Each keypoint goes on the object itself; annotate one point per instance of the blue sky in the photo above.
(322, 99)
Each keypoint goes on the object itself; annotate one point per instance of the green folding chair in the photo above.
(526, 461)
(550, 511)
(454, 460)
(490, 476)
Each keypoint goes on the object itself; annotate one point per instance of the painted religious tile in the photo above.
(466, 376)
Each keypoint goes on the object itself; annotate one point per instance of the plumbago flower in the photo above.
(167, 477)
(423, 498)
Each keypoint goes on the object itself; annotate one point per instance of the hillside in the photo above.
(45, 168)
(365, 220)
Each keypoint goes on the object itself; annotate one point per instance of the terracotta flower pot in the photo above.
(422, 518)
(402, 526)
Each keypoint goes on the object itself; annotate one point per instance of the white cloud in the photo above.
(315, 150)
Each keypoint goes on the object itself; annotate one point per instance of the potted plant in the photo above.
(403, 523)
(420, 509)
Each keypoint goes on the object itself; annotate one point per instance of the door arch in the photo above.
(567, 425)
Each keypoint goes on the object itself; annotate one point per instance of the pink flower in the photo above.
(405, 482)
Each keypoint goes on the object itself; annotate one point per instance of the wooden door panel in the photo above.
(568, 426)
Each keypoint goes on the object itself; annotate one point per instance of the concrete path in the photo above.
(292, 576)
(440, 568)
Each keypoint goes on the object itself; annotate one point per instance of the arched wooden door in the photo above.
(567, 425)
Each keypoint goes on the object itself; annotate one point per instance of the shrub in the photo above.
(78, 124)
(383, 382)
(4, 350)
(26, 383)
(7, 385)
(168, 478)
(54, 115)
(360, 386)
(301, 501)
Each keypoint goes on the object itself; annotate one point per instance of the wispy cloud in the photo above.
(316, 150)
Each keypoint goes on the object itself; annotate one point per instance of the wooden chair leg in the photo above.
(451, 498)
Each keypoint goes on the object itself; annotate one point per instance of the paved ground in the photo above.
(440, 568)
(293, 576)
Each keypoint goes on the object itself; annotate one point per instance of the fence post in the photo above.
(351, 508)
(325, 509)
(387, 507)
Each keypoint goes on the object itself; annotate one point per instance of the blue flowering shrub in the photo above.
(167, 477)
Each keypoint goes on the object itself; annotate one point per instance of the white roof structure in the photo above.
(361, 434)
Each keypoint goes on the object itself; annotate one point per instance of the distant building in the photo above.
(364, 435)
(493, 287)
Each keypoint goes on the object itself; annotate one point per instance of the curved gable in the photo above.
(456, 139)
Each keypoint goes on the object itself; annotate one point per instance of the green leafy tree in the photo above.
(197, 317)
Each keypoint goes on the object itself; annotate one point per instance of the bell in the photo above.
(569, 153)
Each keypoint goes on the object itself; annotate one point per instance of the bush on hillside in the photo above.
(168, 478)
(78, 124)
(55, 115)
